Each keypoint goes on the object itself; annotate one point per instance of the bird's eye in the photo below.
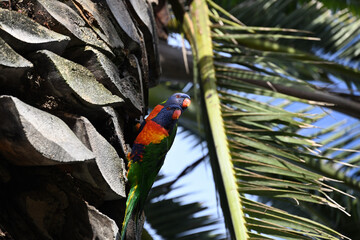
(168, 108)
(177, 96)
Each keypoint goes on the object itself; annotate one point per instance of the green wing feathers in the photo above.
(144, 174)
(131, 203)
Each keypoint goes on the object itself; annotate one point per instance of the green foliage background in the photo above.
(263, 72)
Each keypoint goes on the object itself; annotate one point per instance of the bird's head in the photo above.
(168, 116)
(180, 99)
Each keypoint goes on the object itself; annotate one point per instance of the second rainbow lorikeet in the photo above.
(156, 135)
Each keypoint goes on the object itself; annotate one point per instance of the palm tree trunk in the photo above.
(74, 79)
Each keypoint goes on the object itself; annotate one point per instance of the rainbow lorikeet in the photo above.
(156, 135)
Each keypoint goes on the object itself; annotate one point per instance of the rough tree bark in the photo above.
(74, 78)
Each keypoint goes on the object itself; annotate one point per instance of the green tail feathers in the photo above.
(131, 203)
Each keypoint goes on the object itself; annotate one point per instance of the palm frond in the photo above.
(173, 219)
(338, 32)
(326, 19)
(257, 147)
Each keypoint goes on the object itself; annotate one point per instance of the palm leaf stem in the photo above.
(320, 98)
(204, 49)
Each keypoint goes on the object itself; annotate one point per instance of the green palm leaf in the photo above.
(173, 219)
(257, 147)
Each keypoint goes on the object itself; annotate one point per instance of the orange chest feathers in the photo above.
(151, 133)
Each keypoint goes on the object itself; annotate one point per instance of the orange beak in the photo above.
(176, 114)
(186, 103)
